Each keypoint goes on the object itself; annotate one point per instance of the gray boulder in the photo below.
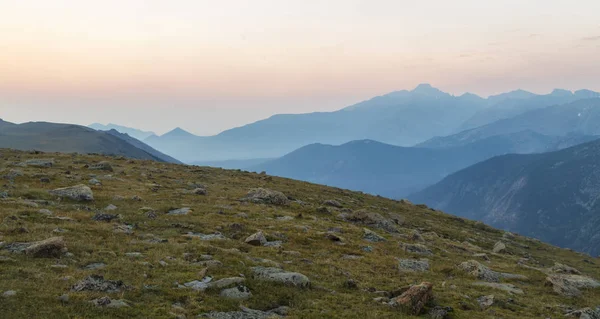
(281, 276)
(77, 192)
(238, 293)
(266, 196)
(411, 265)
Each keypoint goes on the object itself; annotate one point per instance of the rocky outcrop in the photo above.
(414, 299)
(77, 192)
(479, 271)
(570, 285)
(266, 196)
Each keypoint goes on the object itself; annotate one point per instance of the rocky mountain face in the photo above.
(551, 196)
(55, 137)
(97, 236)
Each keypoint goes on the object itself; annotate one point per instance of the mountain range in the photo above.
(70, 138)
(402, 118)
(394, 171)
(552, 196)
(135, 133)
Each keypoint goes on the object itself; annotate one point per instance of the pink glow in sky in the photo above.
(211, 65)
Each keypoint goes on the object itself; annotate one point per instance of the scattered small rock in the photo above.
(98, 283)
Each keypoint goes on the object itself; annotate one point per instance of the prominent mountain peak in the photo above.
(426, 89)
(178, 132)
(561, 92)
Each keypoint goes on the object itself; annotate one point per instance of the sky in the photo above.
(207, 66)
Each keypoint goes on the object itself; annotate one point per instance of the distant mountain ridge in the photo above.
(580, 117)
(402, 118)
(399, 118)
(395, 171)
(133, 132)
(70, 138)
(552, 196)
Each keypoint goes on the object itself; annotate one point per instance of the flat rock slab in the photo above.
(281, 276)
(180, 211)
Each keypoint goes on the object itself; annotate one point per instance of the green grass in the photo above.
(38, 285)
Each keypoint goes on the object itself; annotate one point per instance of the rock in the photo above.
(226, 282)
(46, 212)
(266, 196)
(4, 195)
(198, 285)
(585, 313)
(64, 298)
(414, 299)
(413, 265)
(559, 268)
(46, 163)
(281, 276)
(256, 239)
(44, 180)
(504, 287)
(275, 243)
(246, 313)
(51, 247)
(369, 219)
(179, 211)
(333, 237)
(215, 236)
(199, 191)
(238, 293)
(372, 236)
(94, 182)
(332, 203)
(110, 207)
(416, 249)
(98, 283)
(9, 293)
(439, 312)
(109, 303)
(103, 166)
(485, 301)
(499, 247)
(416, 236)
(78, 192)
(94, 266)
(105, 217)
(569, 285)
(479, 271)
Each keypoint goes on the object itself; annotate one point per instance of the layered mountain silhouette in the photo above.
(402, 118)
(581, 117)
(395, 171)
(553, 196)
(399, 118)
(513, 103)
(133, 132)
(69, 138)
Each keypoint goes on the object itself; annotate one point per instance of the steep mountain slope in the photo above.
(399, 118)
(133, 252)
(551, 196)
(518, 102)
(394, 171)
(581, 117)
(133, 132)
(144, 147)
(54, 137)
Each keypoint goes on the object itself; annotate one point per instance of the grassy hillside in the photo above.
(320, 230)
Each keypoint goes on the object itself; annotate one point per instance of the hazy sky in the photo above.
(210, 65)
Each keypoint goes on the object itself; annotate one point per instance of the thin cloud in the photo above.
(596, 38)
